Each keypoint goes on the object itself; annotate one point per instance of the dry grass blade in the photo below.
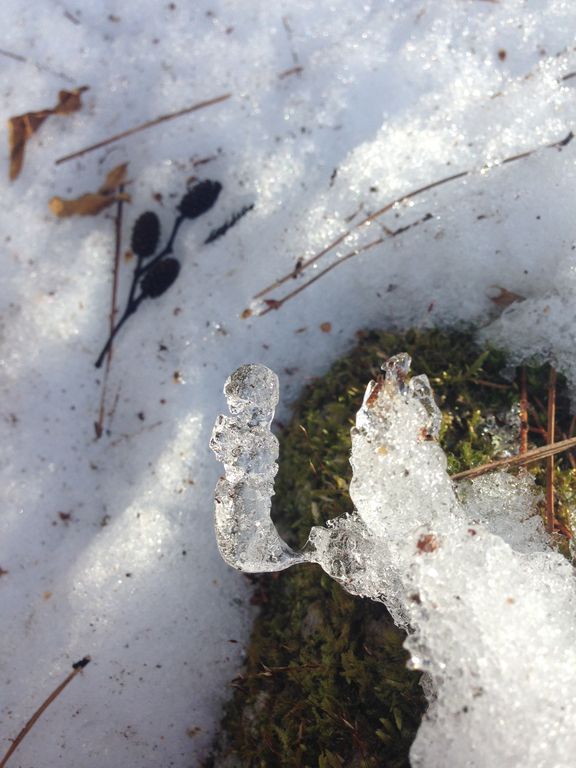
(530, 457)
(76, 668)
(144, 126)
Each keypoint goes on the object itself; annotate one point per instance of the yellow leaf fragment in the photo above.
(92, 203)
(114, 179)
(23, 127)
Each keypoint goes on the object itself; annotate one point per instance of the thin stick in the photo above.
(99, 425)
(569, 455)
(11, 55)
(76, 668)
(276, 304)
(144, 126)
(524, 425)
(530, 457)
(551, 428)
(384, 209)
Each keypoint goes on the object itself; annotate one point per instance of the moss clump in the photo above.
(325, 682)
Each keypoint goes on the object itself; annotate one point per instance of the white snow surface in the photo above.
(394, 95)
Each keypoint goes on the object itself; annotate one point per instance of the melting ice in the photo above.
(489, 607)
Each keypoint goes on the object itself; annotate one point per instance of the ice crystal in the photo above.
(490, 609)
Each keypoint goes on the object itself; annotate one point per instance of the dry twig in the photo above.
(530, 457)
(304, 263)
(524, 425)
(144, 126)
(99, 425)
(76, 668)
(550, 516)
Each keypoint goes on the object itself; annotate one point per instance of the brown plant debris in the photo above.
(93, 203)
(504, 297)
(77, 667)
(275, 303)
(23, 127)
(144, 126)
(524, 420)
(550, 436)
(530, 457)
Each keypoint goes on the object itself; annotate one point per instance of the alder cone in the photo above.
(145, 235)
(160, 278)
(199, 199)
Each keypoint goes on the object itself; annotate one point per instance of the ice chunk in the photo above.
(490, 608)
(244, 443)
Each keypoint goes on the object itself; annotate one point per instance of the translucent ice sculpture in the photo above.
(490, 609)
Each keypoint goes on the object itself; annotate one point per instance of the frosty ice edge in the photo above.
(491, 617)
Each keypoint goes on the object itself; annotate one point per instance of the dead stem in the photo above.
(304, 263)
(276, 304)
(569, 454)
(530, 457)
(144, 126)
(524, 424)
(76, 668)
(99, 425)
(550, 516)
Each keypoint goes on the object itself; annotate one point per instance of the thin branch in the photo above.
(303, 264)
(76, 668)
(144, 126)
(99, 425)
(551, 424)
(276, 304)
(530, 457)
(524, 424)
(14, 56)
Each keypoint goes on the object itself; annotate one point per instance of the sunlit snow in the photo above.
(335, 111)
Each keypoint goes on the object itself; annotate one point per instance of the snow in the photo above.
(394, 95)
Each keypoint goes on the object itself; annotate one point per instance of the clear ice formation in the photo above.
(489, 607)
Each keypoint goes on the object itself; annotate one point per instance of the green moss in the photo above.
(325, 682)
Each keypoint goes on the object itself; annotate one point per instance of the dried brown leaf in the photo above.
(23, 127)
(505, 297)
(69, 101)
(92, 203)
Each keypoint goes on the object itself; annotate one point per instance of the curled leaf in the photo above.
(93, 203)
(199, 199)
(505, 297)
(160, 278)
(146, 234)
(22, 127)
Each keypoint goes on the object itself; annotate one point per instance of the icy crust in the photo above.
(490, 609)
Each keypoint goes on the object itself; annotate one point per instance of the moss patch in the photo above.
(325, 682)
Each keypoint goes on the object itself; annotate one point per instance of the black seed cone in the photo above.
(160, 278)
(200, 199)
(145, 234)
